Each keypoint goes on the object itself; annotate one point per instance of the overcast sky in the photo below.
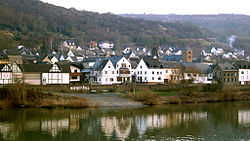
(158, 6)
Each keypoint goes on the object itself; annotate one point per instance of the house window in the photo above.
(227, 74)
(109, 67)
(106, 72)
(106, 79)
(138, 72)
(159, 78)
(242, 77)
(123, 65)
(166, 71)
(160, 73)
(75, 71)
(174, 71)
(228, 80)
(242, 72)
(117, 72)
(145, 72)
(232, 74)
(113, 72)
(153, 72)
(145, 78)
(141, 67)
(232, 79)
(224, 74)
(117, 65)
(111, 79)
(74, 77)
(157, 73)
(128, 65)
(224, 79)
(100, 79)
(153, 78)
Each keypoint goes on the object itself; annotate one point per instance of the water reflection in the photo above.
(244, 117)
(188, 122)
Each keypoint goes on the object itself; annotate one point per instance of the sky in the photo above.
(181, 7)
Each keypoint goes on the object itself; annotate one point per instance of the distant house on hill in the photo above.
(69, 44)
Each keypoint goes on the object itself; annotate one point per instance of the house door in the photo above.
(165, 80)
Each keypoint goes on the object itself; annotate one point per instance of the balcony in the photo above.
(124, 72)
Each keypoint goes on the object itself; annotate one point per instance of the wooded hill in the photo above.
(34, 23)
(225, 24)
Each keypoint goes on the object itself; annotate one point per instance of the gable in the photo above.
(55, 68)
(16, 68)
(5, 68)
(109, 65)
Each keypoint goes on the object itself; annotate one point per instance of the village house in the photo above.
(106, 45)
(43, 74)
(244, 72)
(198, 73)
(69, 44)
(171, 72)
(226, 73)
(103, 73)
(6, 74)
(117, 72)
(149, 71)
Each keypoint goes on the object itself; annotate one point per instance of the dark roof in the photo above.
(227, 66)
(100, 64)
(172, 58)
(115, 59)
(152, 63)
(242, 64)
(168, 64)
(186, 48)
(42, 68)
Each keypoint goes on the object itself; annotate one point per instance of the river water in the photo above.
(209, 121)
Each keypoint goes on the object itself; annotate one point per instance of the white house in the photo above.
(43, 74)
(6, 75)
(103, 73)
(149, 71)
(111, 70)
(122, 68)
(55, 75)
(106, 45)
(244, 72)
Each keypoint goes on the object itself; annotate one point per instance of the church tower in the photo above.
(187, 54)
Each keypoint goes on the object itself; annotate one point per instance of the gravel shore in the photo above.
(106, 100)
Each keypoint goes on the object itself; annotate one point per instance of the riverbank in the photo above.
(23, 97)
(150, 95)
(117, 96)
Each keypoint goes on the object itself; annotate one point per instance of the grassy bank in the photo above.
(21, 96)
(176, 94)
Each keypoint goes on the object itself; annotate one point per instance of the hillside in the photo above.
(226, 24)
(34, 23)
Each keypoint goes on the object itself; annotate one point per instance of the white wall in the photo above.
(244, 75)
(148, 75)
(6, 78)
(107, 74)
(55, 78)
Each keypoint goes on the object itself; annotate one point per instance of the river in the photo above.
(208, 121)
